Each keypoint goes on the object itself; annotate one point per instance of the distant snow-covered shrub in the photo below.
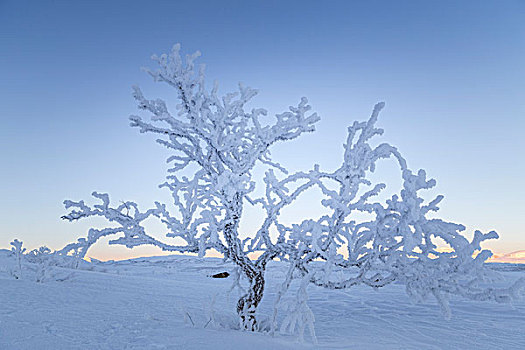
(41, 264)
(18, 252)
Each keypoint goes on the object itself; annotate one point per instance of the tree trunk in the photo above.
(247, 304)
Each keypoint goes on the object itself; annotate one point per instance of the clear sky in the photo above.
(452, 75)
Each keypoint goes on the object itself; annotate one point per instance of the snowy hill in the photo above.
(171, 303)
(517, 257)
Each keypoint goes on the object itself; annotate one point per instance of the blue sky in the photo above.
(451, 74)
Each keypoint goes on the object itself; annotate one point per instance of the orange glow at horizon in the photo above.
(517, 257)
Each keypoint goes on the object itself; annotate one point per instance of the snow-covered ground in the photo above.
(171, 303)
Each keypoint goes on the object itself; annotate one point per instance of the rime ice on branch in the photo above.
(223, 142)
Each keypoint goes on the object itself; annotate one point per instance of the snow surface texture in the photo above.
(171, 303)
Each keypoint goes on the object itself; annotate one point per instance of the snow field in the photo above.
(171, 303)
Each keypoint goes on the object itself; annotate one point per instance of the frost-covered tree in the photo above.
(216, 143)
